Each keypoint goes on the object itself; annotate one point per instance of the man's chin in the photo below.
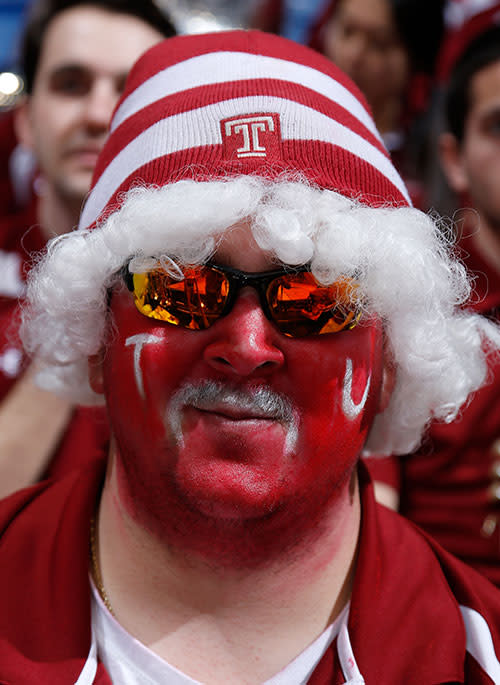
(232, 511)
(74, 187)
(230, 491)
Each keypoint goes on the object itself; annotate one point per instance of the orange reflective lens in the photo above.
(300, 306)
(296, 303)
(194, 302)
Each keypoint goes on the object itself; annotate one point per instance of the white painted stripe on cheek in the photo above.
(292, 435)
(139, 341)
(349, 407)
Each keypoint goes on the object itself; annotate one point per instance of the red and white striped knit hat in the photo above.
(242, 102)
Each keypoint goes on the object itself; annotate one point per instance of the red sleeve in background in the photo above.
(86, 438)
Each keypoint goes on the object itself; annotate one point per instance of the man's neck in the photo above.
(487, 242)
(56, 215)
(248, 623)
(387, 115)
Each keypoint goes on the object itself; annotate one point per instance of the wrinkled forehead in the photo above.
(234, 246)
(237, 247)
(192, 221)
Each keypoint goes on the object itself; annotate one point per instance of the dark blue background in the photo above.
(11, 19)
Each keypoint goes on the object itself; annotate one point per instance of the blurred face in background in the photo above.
(363, 40)
(85, 57)
(479, 155)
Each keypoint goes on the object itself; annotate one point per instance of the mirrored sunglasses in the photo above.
(200, 295)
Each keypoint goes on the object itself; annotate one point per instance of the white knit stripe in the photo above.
(221, 67)
(480, 643)
(184, 131)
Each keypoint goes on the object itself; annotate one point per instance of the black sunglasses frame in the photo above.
(240, 279)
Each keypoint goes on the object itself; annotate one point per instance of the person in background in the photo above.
(75, 56)
(379, 44)
(16, 168)
(454, 491)
(256, 302)
(451, 487)
(289, 18)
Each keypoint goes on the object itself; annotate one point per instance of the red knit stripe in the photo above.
(178, 49)
(206, 95)
(328, 166)
(276, 107)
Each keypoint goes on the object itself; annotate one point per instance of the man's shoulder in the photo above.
(41, 523)
(21, 227)
(48, 497)
(20, 238)
(44, 587)
(450, 586)
(436, 613)
(408, 552)
(424, 552)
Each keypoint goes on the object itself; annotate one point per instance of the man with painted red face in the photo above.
(257, 304)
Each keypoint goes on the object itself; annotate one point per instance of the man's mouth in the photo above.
(223, 402)
(82, 146)
(86, 155)
(234, 412)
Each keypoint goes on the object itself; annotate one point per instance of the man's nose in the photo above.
(99, 105)
(355, 49)
(245, 341)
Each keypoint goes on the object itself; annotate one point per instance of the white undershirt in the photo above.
(129, 662)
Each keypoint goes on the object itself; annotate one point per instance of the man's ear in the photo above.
(452, 162)
(22, 124)
(388, 378)
(96, 375)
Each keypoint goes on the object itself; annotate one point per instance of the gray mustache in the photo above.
(261, 402)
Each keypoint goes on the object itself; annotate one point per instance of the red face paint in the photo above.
(220, 475)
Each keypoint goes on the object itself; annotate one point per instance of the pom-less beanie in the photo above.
(217, 105)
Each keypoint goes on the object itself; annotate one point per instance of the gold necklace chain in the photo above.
(96, 571)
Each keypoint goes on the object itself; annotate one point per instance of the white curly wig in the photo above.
(400, 257)
(219, 128)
